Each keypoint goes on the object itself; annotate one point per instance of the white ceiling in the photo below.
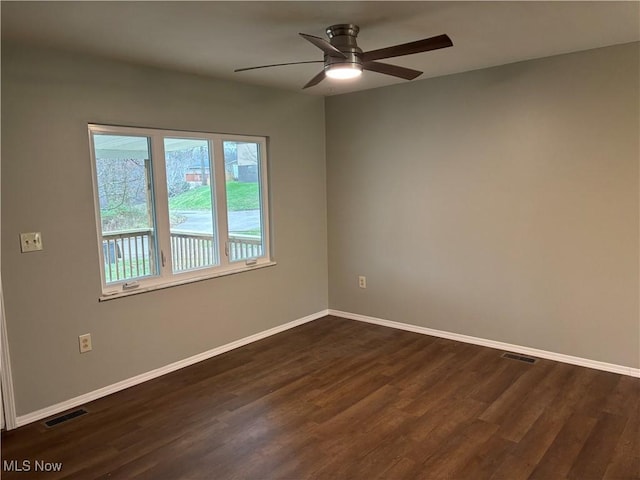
(214, 38)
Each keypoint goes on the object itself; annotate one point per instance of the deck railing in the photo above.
(191, 250)
(244, 246)
(130, 253)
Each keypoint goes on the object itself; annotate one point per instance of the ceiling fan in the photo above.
(344, 59)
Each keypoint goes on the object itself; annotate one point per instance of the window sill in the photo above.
(150, 288)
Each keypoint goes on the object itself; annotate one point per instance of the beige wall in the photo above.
(52, 296)
(500, 203)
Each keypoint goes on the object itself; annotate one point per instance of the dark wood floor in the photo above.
(338, 399)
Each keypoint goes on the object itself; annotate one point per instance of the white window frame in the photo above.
(165, 277)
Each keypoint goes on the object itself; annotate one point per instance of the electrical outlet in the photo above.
(30, 242)
(85, 343)
(362, 281)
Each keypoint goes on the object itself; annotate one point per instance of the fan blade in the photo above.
(394, 70)
(315, 80)
(276, 65)
(323, 45)
(433, 43)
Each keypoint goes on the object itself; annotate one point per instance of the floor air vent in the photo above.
(521, 358)
(63, 418)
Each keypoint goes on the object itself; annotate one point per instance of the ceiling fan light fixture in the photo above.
(343, 71)
(344, 59)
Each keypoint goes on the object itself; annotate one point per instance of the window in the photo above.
(174, 207)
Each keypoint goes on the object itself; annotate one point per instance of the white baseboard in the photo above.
(559, 357)
(130, 382)
(116, 387)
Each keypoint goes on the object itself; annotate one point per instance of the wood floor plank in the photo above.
(402, 468)
(517, 391)
(338, 399)
(343, 449)
(623, 467)
(495, 383)
(625, 461)
(457, 451)
(486, 459)
(530, 449)
(562, 453)
(592, 460)
(444, 419)
(602, 387)
(520, 417)
(624, 400)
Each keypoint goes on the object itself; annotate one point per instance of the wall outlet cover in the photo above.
(85, 343)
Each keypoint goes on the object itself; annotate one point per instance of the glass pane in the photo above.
(244, 207)
(191, 212)
(123, 166)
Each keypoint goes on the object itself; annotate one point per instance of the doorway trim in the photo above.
(8, 399)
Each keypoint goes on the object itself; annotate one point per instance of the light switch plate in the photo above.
(30, 242)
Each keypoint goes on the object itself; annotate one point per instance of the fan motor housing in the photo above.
(343, 37)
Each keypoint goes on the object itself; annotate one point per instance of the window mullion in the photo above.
(264, 200)
(161, 207)
(221, 199)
